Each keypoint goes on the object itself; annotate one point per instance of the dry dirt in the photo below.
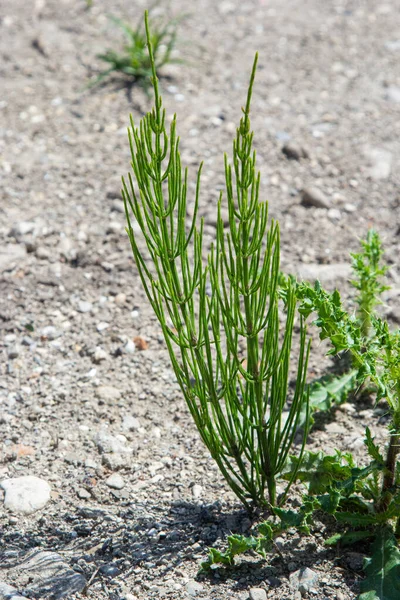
(71, 302)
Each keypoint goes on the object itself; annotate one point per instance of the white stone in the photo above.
(197, 491)
(84, 306)
(108, 443)
(25, 494)
(99, 355)
(115, 481)
(257, 594)
(130, 423)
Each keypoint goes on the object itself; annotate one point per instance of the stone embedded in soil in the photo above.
(48, 574)
(10, 256)
(380, 163)
(109, 570)
(84, 306)
(26, 494)
(115, 481)
(107, 443)
(50, 332)
(393, 94)
(130, 423)
(108, 393)
(197, 491)
(114, 461)
(22, 228)
(7, 592)
(13, 352)
(312, 196)
(294, 151)
(193, 588)
(99, 355)
(257, 594)
(304, 580)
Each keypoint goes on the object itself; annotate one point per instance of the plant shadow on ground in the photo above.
(107, 543)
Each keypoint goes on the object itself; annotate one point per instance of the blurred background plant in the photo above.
(133, 59)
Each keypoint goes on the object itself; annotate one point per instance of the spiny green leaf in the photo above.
(356, 519)
(329, 391)
(372, 448)
(382, 570)
(319, 470)
(348, 538)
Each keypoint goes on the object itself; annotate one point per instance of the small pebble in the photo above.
(193, 588)
(257, 594)
(294, 151)
(84, 307)
(13, 352)
(115, 481)
(312, 196)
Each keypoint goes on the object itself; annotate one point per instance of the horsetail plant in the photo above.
(230, 349)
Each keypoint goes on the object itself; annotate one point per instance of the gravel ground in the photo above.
(87, 397)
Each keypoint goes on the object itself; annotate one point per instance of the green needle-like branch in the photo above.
(230, 349)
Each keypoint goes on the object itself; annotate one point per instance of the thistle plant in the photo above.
(368, 271)
(229, 348)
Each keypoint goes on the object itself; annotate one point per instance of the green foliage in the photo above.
(382, 570)
(368, 272)
(230, 350)
(239, 544)
(134, 61)
(329, 391)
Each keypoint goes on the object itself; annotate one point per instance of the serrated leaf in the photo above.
(348, 538)
(382, 570)
(298, 519)
(319, 470)
(328, 391)
(372, 448)
(356, 519)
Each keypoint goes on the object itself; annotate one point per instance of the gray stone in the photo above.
(130, 423)
(84, 306)
(50, 332)
(67, 249)
(393, 94)
(304, 580)
(22, 228)
(197, 491)
(42, 253)
(26, 494)
(257, 594)
(109, 570)
(83, 494)
(312, 196)
(107, 443)
(115, 481)
(48, 574)
(108, 393)
(7, 592)
(114, 461)
(193, 588)
(380, 163)
(294, 151)
(99, 355)
(10, 256)
(13, 352)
